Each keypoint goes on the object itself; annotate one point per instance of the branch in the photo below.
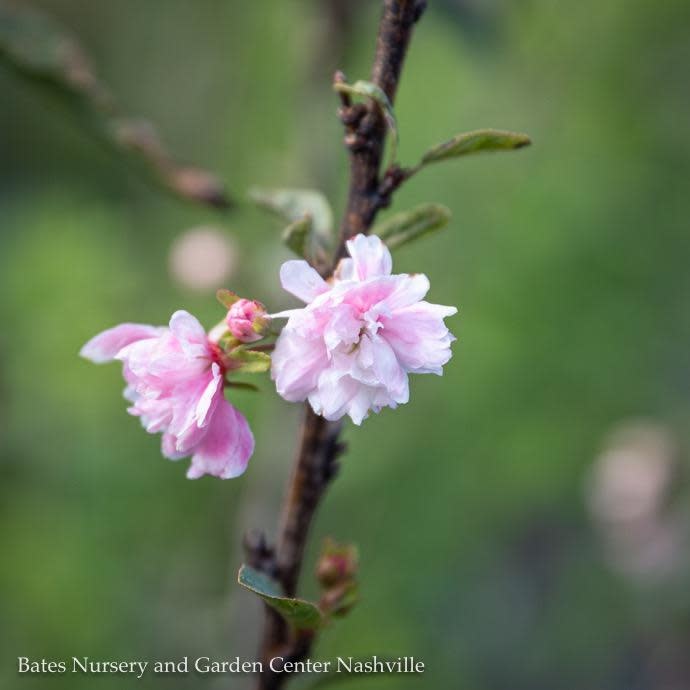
(315, 466)
(40, 51)
(316, 460)
(366, 128)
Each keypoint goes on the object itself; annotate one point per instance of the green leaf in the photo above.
(226, 297)
(476, 142)
(367, 89)
(40, 50)
(296, 236)
(409, 225)
(249, 361)
(295, 204)
(301, 614)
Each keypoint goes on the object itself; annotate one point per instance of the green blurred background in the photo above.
(523, 522)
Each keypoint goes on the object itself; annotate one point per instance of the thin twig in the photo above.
(316, 459)
(365, 125)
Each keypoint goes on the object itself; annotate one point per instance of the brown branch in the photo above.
(315, 466)
(365, 126)
(39, 50)
(316, 460)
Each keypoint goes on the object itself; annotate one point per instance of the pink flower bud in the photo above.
(247, 320)
(337, 563)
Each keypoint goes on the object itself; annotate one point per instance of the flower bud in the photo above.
(247, 320)
(338, 563)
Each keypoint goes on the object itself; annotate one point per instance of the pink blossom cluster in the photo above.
(351, 348)
(349, 351)
(175, 379)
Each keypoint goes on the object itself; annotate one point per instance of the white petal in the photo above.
(345, 270)
(408, 290)
(187, 327)
(301, 280)
(370, 256)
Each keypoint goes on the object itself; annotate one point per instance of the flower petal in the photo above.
(104, 346)
(296, 364)
(227, 446)
(301, 280)
(345, 270)
(342, 327)
(168, 448)
(204, 408)
(419, 337)
(408, 290)
(370, 256)
(391, 376)
(193, 404)
(189, 333)
(331, 399)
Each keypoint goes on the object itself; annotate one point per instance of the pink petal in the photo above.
(204, 408)
(193, 404)
(361, 404)
(342, 327)
(190, 333)
(165, 361)
(227, 446)
(389, 373)
(370, 256)
(301, 280)
(168, 448)
(419, 337)
(104, 346)
(332, 397)
(409, 289)
(296, 364)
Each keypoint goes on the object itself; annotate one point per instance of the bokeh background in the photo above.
(524, 521)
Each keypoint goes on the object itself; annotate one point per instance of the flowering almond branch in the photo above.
(348, 351)
(319, 447)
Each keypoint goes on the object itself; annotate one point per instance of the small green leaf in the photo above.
(409, 225)
(367, 89)
(294, 204)
(226, 297)
(249, 361)
(475, 142)
(296, 236)
(301, 614)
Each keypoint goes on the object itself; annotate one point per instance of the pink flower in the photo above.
(351, 348)
(246, 320)
(175, 384)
